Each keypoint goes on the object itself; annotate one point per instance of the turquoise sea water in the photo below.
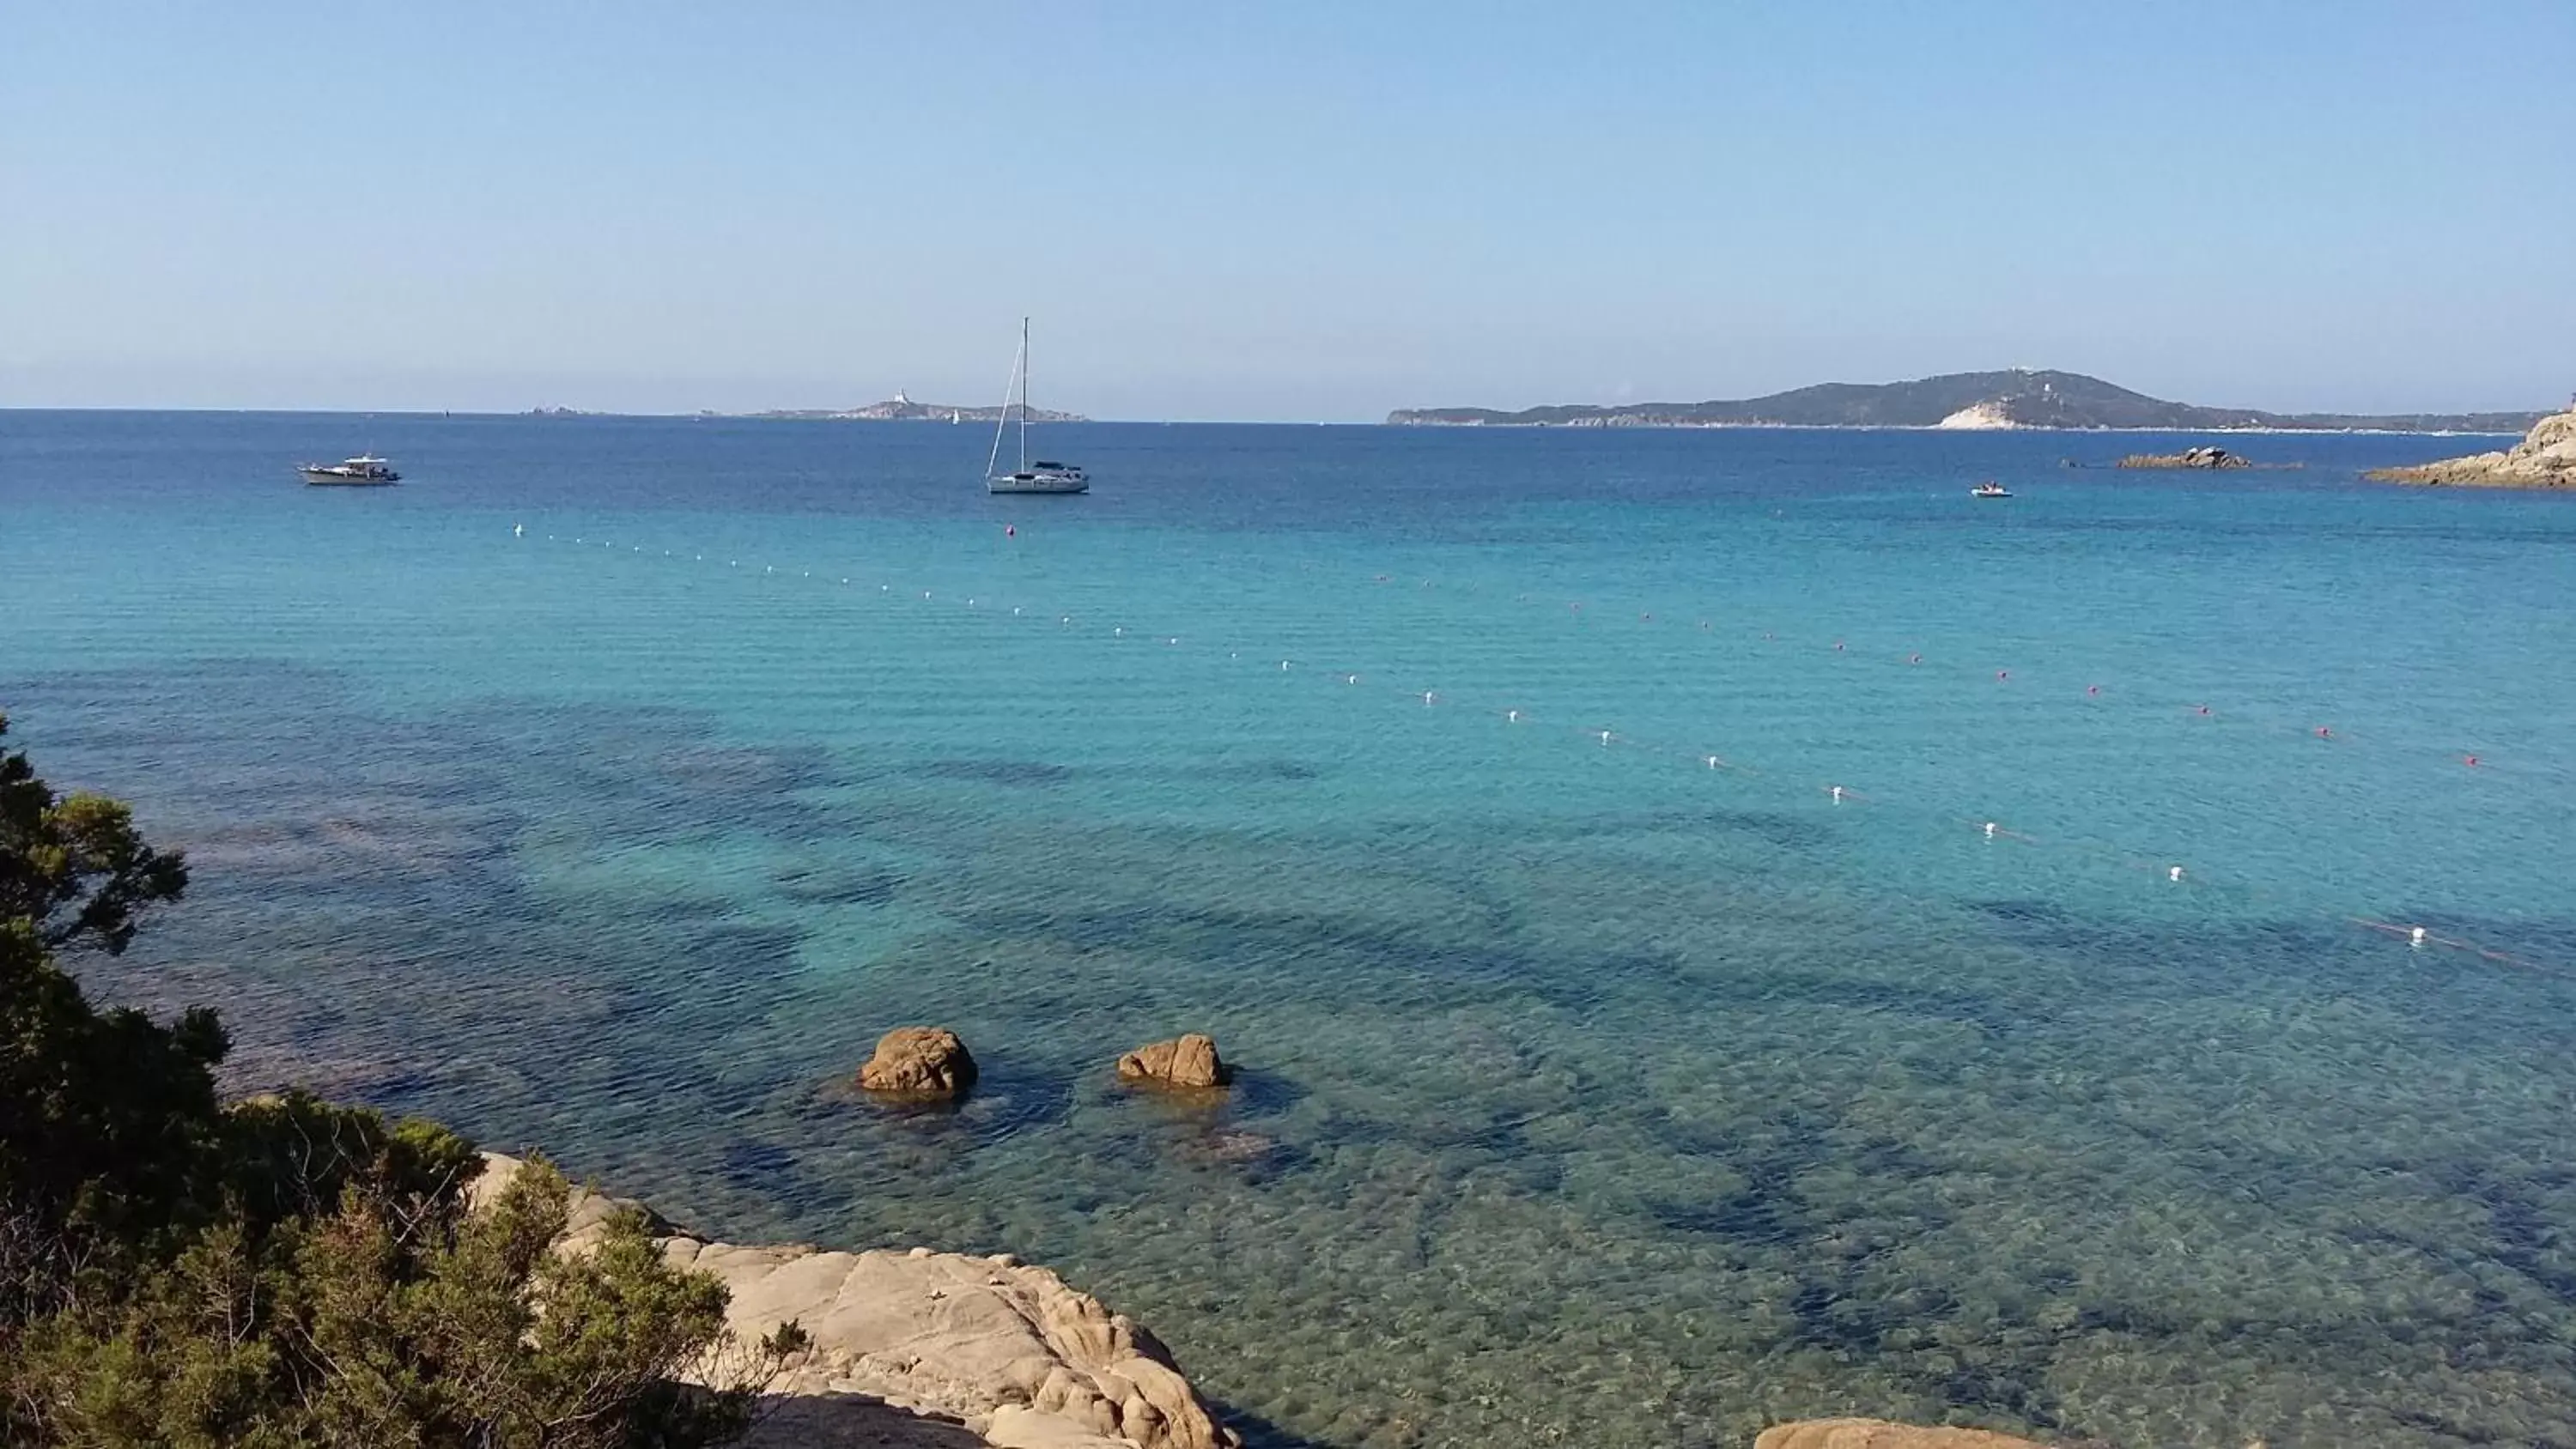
(1592, 1094)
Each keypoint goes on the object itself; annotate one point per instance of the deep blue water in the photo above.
(1593, 1093)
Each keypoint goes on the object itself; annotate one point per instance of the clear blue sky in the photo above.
(1305, 210)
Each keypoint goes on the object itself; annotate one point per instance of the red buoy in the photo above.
(2469, 760)
(2003, 674)
(2323, 733)
(2092, 689)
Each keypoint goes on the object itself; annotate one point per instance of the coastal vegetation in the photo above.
(2019, 398)
(179, 1271)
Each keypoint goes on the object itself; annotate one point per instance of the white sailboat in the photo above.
(1041, 476)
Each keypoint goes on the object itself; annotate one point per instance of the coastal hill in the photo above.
(2545, 458)
(902, 409)
(2020, 398)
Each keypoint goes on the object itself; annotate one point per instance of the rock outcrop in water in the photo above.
(2545, 458)
(994, 1347)
(1190, 1061)
(2187, 458)
(919, 1061)
(1880, 1434)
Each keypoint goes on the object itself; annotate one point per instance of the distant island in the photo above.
(2020, 398)
(901, 409)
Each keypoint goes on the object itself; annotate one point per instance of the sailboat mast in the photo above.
(1002, 422)
(1024, 394)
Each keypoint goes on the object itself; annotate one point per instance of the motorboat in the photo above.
(363, 471)
(1990, 490)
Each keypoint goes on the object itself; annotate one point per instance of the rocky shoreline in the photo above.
(916, 1349)
(2545, 458)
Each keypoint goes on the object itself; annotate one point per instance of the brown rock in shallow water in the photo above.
(1190, 1061)
(1880, 1434)
(926, 1061)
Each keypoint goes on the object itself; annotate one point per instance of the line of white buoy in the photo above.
(2415, 936)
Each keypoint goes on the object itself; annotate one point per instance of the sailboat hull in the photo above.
(1036, 483)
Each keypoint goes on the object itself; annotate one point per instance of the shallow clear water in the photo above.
(1592, 1094)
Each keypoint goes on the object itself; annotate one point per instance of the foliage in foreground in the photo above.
(287, 1272)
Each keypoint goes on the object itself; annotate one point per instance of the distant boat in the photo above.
(1989, 490)
(1041, 476)
(363, 471)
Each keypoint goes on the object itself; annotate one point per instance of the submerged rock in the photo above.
(1880, 1434)
(1188, 1061)
(2545, 458)
(1001, 1349)
(921, 1061)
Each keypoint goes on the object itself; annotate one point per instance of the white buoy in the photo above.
(1283, 666)
(1838, 794)
(1605, 737)
(2174, 875)
(1990, 830)
(1015, 609)
(1120, 631)
(1350, 679)
(518, 530)
(1512, 715)
(1712, 762)
(2415, 937)
(1428, 697)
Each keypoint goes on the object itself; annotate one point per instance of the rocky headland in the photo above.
(914, 1349)
(2545, 458)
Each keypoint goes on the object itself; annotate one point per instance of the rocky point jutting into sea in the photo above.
(916, 1349)
(2545, 458)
